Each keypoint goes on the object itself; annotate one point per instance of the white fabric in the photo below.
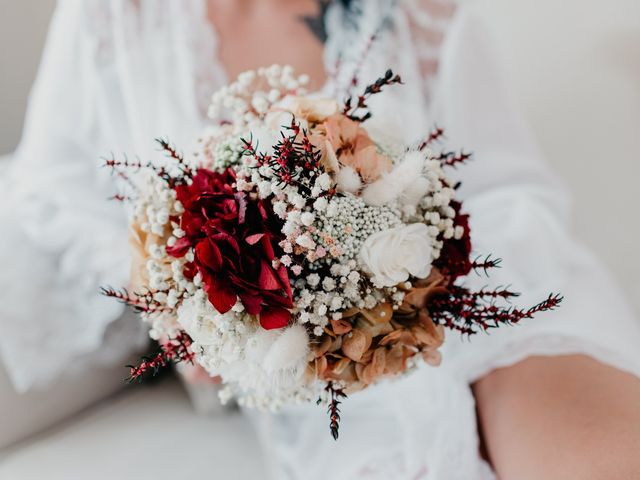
(146, 433)
(65, 238)
(118, 73)
(27, 414)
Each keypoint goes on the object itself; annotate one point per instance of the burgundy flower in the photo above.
(455, 257)
(235, 237)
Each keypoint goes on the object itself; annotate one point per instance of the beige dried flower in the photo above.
(367, 345)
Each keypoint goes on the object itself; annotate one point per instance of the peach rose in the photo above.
(352, 147)
(341, 141)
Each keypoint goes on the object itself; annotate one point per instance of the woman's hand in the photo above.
(561, 418)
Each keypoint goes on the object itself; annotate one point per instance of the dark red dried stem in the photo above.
(140, 302)
(250, 150)
(118, 197)
(453, 159)
(172, 153)
(470, 311)
(176, 350)
(485, 264)
(119, 167)
(551, 303)
(434, 136)
(353, 105)
(484, 294)
(125, 164)
(295, 161)
(335, 397)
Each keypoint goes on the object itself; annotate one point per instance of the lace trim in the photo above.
(549, 345)
(428, 23)
(403, 28)
(399, 25)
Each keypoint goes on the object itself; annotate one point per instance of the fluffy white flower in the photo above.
(328, 284)
(289, 227)
(415, 191)
(320, 204)
(332, 209)
(348, 180)
(280, 209)
(313, 279)
(391, 256)
(324, 182)
(306, 241)
(286, 260)
(259, 344)
(245, 78)
(307, 218)
(400, 180)
(274, 95)
(264, 189)
(354, 276)
(336, 303)
(298, 201)
(289, 350)
(294, 216)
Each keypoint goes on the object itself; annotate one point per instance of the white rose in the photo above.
(391, 256)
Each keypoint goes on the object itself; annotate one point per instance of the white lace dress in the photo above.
(118, 73)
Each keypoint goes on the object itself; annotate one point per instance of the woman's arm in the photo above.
(561, 418)
(63, 238)
(552, 417)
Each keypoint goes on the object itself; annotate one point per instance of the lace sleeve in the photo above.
(64, 239)
(520, 212)
(428, 22)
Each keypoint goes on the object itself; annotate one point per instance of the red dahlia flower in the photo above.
(235, 237)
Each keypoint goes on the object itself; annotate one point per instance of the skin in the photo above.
(546, 418)
(262, 44)
(559, 418)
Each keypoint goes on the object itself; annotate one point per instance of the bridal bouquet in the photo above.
(297, 256)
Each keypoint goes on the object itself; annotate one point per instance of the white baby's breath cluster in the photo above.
(434, 209)
(262, 368)
(347, 221)
(247, 100)
(214, 140)
(154, 210)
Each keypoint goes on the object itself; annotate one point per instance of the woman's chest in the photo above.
(255, 34)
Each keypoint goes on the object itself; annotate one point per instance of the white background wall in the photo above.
(23, 25)
(574, 67)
